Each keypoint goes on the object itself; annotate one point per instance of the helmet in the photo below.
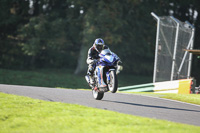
(99, 44)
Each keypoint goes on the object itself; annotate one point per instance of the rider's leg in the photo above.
(90, 73)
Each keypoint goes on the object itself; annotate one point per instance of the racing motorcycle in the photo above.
(105, 74)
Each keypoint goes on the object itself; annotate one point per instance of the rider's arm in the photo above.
(90, 60)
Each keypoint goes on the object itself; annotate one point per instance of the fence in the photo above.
(171, 61)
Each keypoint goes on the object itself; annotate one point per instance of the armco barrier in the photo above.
(177, 86)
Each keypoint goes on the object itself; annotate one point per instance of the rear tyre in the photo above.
(97, 95)
(113, 85)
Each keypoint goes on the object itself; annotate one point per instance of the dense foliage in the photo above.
(58, 33)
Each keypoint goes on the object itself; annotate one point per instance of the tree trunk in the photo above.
(88, 39)
(82, 66)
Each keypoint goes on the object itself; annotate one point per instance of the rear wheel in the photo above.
(113, 85)
(97, 95)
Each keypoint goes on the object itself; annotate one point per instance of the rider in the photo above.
(93, 56)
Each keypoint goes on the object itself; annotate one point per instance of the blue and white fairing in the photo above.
(108, 58)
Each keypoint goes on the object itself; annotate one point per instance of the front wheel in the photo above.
(97, 95)
(113, 85)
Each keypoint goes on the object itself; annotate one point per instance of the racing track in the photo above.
(124, 103)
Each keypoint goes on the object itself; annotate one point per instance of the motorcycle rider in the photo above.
(93, 56)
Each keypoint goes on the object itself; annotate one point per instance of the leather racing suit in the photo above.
(93, 56)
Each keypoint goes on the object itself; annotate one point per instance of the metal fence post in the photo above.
(156, 48)
(191, 47)
(175, 47)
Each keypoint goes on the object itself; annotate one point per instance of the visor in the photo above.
(99, 47)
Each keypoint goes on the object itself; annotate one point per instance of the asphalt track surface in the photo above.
(138, 105)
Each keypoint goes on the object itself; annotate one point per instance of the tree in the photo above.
(51, 36)
(12, 15)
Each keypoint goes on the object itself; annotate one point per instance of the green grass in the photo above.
(22, 114)
(189, 98)
(127, 80)
(63, 78)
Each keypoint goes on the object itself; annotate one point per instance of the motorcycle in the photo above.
(105, 74)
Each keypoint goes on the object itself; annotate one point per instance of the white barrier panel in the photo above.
(176, 86)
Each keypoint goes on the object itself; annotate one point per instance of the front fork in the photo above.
(101, 82)
(108, 77)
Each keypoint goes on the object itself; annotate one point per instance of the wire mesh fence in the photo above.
(171, 61)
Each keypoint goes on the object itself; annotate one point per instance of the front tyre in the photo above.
(113, 85)
(97, 95)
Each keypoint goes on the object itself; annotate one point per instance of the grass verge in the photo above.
(63, 78)
(22, 114)
(189, 98)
